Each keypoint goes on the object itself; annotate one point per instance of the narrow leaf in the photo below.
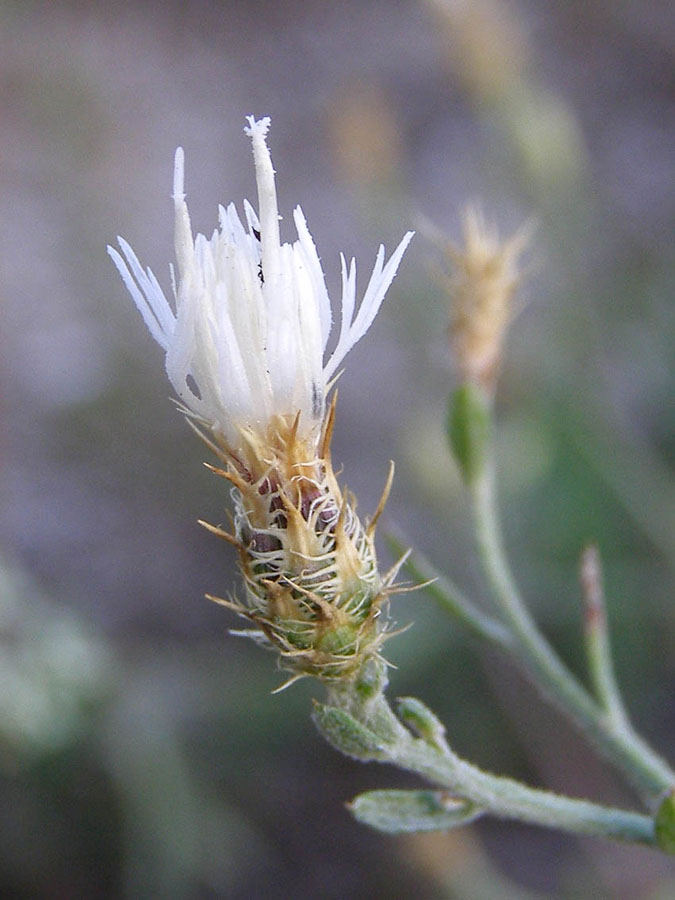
(343, 732)
(402, 812)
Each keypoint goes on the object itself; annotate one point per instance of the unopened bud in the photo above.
(469, 429)
(422, 721)
(664, 823)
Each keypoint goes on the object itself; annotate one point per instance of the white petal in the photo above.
(183, 243)
(311, 260)
(380, 280)
(251, 218)
(267, 201)
(150, 299)
(253, 316)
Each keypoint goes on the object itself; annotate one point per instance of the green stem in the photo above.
(596, 637)
(376, 733)
(616, 740)
(449, 596)
(507, 798)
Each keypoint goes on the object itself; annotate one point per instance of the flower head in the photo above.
(247, 342)
(246, 354)
(485, 275)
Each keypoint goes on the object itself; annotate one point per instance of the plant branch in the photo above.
(616, 739)
(449, 596)
(368, 729)
(596, 635)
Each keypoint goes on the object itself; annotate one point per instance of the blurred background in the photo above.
(141, 751)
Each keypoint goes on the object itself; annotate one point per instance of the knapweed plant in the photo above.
(246, 355)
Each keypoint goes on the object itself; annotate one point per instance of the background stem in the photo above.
(615, 739)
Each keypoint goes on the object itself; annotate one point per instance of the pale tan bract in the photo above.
(483, 280)
(312, 588)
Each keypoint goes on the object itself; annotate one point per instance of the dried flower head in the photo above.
(245, 353)
(483, 279)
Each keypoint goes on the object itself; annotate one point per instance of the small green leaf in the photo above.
(664, 823)
(343, 732)
(469, 429)
(402, 812)
(413, 713)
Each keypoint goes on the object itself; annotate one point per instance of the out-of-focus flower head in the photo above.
(483, 279)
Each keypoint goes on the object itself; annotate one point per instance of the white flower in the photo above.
(248, 338)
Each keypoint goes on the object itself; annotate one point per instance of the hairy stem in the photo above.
(369, 729)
